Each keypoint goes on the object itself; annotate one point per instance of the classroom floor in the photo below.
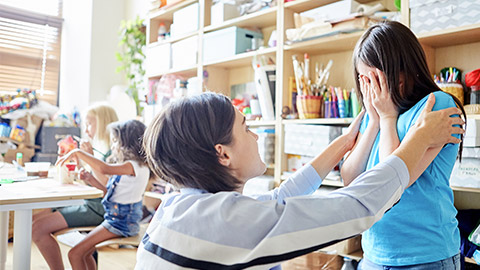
(108, 258)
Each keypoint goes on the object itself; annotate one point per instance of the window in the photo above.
(30, 37)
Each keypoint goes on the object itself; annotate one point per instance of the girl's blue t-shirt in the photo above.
(421, 227)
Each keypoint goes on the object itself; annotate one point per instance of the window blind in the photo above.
(30, 37)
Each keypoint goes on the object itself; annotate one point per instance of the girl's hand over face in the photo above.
(381, 99)
(368, 100)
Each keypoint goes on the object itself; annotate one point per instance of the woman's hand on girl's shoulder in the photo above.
(353, 128)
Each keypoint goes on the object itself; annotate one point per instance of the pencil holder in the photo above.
(309, 106)
(455, 89)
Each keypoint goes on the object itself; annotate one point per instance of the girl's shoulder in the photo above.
(442, 101)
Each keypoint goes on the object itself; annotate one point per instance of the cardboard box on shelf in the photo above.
(185, 20)
(314, 261)
(223, 11)
(11, 154)
(432, 15)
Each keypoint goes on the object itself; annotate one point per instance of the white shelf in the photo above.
(172, 39)
(263, 18)
(185, 71)
(260, 123)
(327, 44)
(319, 121)
(166, 13)
(243, 59)
(304, 5)
(452, 36)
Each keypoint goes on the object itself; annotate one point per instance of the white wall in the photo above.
(136, 7)
(89, 42)
(75, 60)
(107, 15)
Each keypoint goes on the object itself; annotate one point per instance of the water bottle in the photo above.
(347, 264)
(162, 31)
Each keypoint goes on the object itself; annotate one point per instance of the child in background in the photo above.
(202, 145)
(49, 221)
(97, 118)
(123, 192)
(394, 81)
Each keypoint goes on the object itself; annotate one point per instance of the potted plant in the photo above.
(132, 42)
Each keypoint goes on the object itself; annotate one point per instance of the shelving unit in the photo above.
(452, 47)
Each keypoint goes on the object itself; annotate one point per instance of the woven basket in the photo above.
(472, 108)
(309, 106)
(455, 89)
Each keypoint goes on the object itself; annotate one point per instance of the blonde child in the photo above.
(45, 223)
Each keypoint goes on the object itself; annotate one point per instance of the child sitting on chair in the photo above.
(123, 192)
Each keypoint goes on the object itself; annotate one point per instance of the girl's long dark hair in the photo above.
(392, 48)
(130, 137)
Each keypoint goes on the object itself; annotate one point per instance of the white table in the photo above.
(23, 197)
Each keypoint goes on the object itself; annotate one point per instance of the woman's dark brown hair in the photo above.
(180, 143)
(129, 135)
(393, 49)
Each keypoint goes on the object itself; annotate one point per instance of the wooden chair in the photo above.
(114, 242)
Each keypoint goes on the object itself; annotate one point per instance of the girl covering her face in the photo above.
(394, 83)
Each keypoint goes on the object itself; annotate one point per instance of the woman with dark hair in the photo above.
(394, 81)
(203, 146)
(123, 192)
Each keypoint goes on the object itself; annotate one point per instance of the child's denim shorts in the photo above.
(122, 219)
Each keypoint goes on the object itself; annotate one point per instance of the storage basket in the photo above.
(455, 89)
(309, 106)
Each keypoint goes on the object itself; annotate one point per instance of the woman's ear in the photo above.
(222, 155)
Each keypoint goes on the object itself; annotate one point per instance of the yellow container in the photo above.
(309, 106)
(455, 89)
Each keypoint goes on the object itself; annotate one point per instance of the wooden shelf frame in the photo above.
(319, 121)
(167, 13)
(237, 69)
(185, 71)
(260, 123)
(260, 19)
(243, 59)
(172, 39)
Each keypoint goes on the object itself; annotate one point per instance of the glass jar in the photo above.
(475, 94)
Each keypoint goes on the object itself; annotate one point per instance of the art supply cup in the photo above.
(43, 168)
(31, 168)
(309, 106)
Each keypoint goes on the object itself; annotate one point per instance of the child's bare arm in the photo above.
(88, 178)
(98, 165)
